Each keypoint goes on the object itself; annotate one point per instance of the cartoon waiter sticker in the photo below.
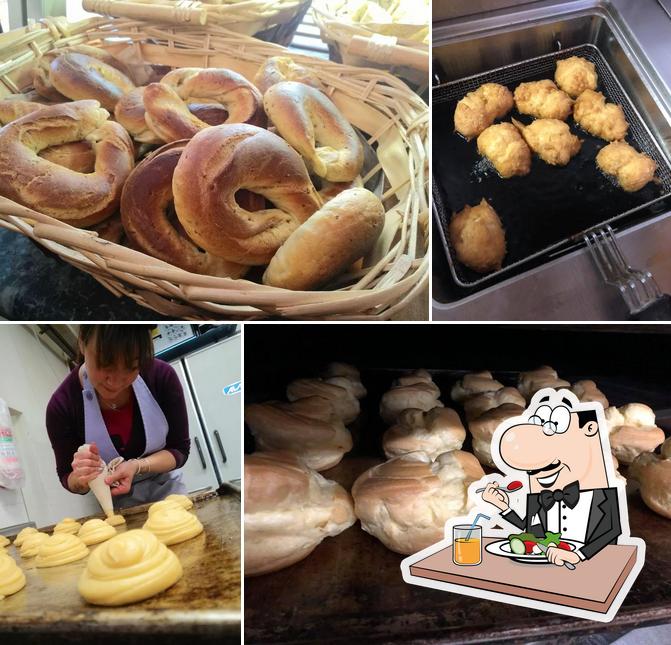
(559, 503)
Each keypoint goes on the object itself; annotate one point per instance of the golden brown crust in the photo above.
(574, 75)
(130, 112)
(80, 77)
(220, 161)
(12, 109)
(479, 109)
(314, 126)
(167, 115)
(504, 146)
(76, 198)
(543, 100)
(145, 201)
(551, 139)
(601, 119)
(631, 168)
(342, 231)
(78, 156)
(282, 68)
(478, 238)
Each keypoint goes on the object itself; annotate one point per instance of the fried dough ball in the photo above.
(479, 109)
(504, 146)
(574, 75)
(551, 140)
(603, 120)
(631, 168)
(543, 100)
(478, 238)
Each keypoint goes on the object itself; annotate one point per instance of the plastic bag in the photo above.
(11, 472)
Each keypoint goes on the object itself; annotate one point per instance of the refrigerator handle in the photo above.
(221, 447)
(200, 453)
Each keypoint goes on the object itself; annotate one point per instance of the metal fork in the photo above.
(638, 288)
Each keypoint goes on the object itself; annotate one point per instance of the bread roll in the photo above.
(528, 383)
(406, 501)
(632, 431)
(482, 429)
(421, 396)
(588, 392)
(411, 378)
(344, 403)
(283, 68)
(319, 442)
(475, 383)
(343, 370)
(434, 432)
(325, 246)
(478, 404)
(653, 473)
(289, 510)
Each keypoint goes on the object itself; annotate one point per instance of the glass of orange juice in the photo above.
(467, 545)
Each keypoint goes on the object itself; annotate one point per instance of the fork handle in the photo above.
(658, 310)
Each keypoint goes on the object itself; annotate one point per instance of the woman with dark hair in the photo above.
(123, 403)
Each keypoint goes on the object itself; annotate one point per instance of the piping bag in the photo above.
(100, 489)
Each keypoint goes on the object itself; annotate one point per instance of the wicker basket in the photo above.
(394, 119)
(394, 48)
(274, 21)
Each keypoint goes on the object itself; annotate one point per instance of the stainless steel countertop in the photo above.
(570, 288)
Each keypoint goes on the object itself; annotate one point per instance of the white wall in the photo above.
(29, 374)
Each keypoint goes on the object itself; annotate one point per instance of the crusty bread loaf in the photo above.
(77, 198)
(345, 404)
(421, 396)
(224, 159)
(406, 501)
(314, 126)
(530, 382)
(588, 392)
(324, 246)
(474, 383)
(320, 441)
(289, 510)
(478, 404)
(283, 68)
(434, 432)
(653, 473)
(632, 431)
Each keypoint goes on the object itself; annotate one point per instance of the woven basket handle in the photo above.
(384, 49)
(181, 12)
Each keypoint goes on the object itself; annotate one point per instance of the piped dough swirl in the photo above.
(23, 534)
(60, 548)
(32, 543)
(67, 525)
(130, 567)
(173, 525)
(96, 531)
(12, 579)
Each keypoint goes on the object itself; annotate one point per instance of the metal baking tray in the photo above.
(549, 209)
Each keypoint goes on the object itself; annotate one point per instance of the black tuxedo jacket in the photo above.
(603, 523)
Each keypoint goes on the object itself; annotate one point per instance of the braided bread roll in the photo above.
(73, 197)
(314, 126)
(145, 202)
(217, 163)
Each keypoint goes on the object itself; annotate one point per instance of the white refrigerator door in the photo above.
(198, 472)
(215, 372)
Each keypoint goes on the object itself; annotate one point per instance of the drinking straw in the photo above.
(475, 521)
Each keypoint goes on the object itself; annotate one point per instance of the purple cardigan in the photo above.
(65, 418)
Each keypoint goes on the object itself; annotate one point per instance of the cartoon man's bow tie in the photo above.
(569, 495)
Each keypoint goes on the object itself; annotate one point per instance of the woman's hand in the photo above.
(86, 466)
(123, 476)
